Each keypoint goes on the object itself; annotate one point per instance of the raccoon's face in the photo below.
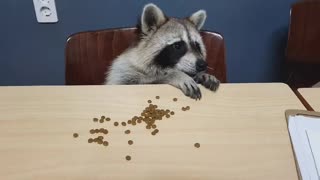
(174, 43)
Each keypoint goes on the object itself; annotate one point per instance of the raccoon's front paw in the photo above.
(190, 88)
(208, 81)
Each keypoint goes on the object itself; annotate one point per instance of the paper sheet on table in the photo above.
(305, 132)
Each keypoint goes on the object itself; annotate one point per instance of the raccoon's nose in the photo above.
(201, 65)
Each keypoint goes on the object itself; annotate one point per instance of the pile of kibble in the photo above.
(148, 117)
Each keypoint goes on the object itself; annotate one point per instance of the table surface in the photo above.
(241, 129)
(312, 96)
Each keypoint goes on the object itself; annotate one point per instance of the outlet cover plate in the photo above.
(46, 11)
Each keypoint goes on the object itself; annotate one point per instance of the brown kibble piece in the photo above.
(128, 158)
(95, 119)
(116, 124)
(92, 131)
(155, 132)
(157, 97)
(139, 121)
(172, 113)
(108, 119)
(175, 99)
(101, 120)
(149, 101)
(103, 117)
(100, 137)
(75, 135)
(105, 143)
(90, 140)
(130, 142)
(105, 131)
(167, 116)
(129, 122)
(99, 141)
(188, 108)
(183, 109)
(197, 145)
(148, 127)
(127, 131)
(154, 126)
(123, 123)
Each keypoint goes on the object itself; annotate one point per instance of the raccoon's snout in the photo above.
(201, 65)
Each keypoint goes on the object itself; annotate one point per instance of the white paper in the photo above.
(300, 128)
(314, 142)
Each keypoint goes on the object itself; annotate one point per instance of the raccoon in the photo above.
(169, 51)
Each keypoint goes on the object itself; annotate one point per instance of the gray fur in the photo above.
(136, 65)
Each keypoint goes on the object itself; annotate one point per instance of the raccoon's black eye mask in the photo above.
(171, 54)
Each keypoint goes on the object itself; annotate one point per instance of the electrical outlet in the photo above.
(46, 11)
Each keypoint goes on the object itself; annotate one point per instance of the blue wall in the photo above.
(255, 32)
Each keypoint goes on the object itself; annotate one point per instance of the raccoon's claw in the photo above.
(191, 89)
(208, 81)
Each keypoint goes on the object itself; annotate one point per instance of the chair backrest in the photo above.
(304, 33)
(89, 54)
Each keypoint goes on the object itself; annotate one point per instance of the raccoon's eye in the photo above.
(177, 46)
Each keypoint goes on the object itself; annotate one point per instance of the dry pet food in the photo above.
(105, 143)
(155, 132)
(75, 135)
(185, 108)
(149, 116)
(128, 158)
(130, 142)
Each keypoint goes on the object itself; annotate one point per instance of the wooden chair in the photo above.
(303, 47)
(89, 54)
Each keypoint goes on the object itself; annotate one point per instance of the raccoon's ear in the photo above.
(198, 18)
(152, 17)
